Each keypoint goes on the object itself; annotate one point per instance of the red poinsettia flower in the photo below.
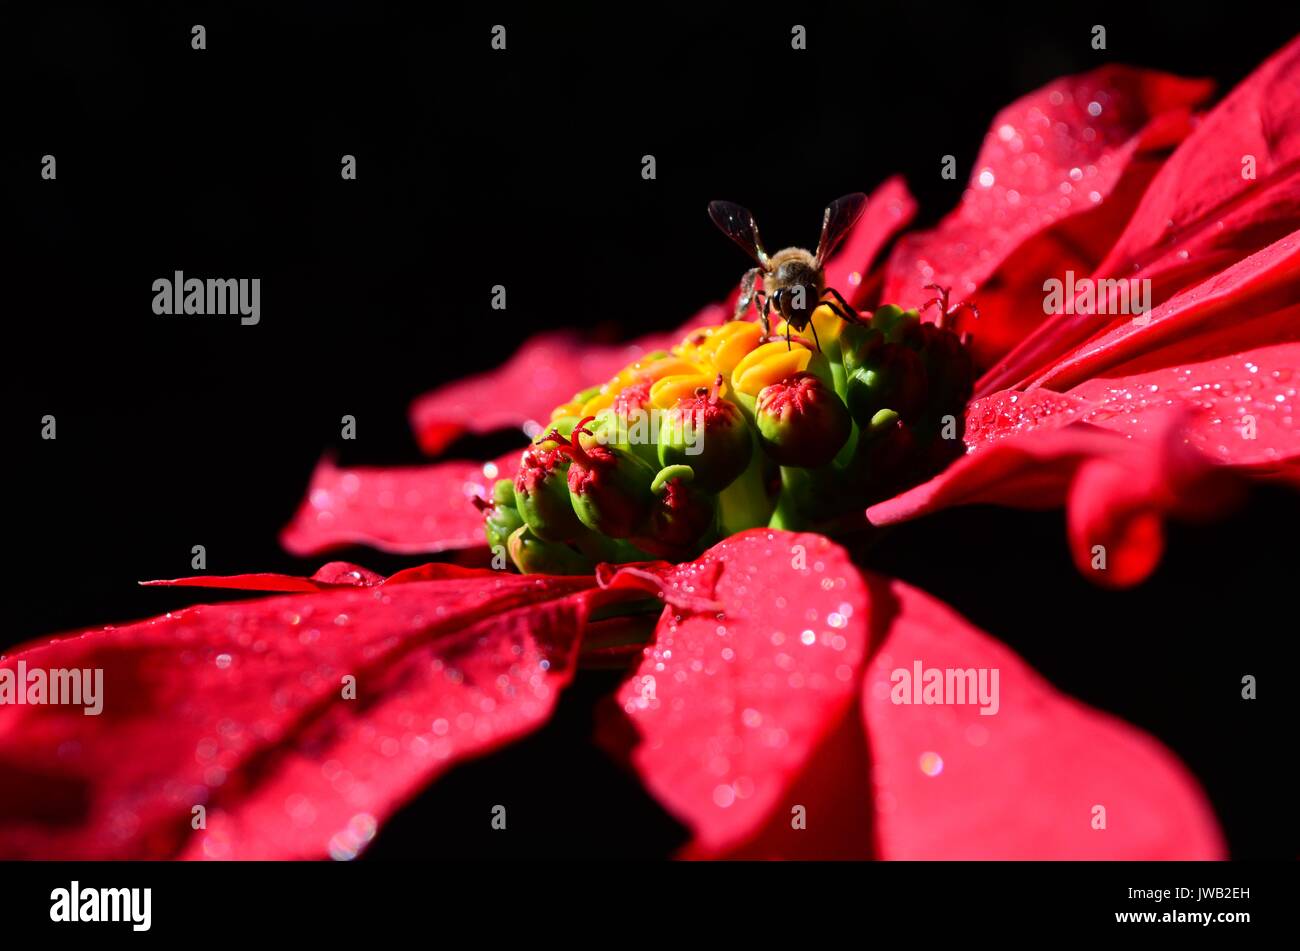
(778, 706)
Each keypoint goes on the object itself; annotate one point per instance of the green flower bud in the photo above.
(503, 492)
(889, 376)
(617, 551)
(681, 514)
(949, 370)
(583, 395)
(532, 555)
(882, 458)
(563, 425)
(541, 494)
(801, 422)
(710, 435)
(893, 322)
(499, 519)
(855, 343)
(628, 424)
(609, 489)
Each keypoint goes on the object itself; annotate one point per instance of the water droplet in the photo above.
(931, 763)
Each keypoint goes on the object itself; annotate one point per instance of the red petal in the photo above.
(543, 373)
(1257, 287)
(1233, 407)
(730, 705)
(1026, 470)
(826, 814)
(951, 783)
(1196, 218)
(1245, 405)
(1035, 453)
(1140, 447)
(238, 707)
(1203, 179)
(1114, 515)
(408, 510)
(1043, 160)
(332, 575)
(335, 574)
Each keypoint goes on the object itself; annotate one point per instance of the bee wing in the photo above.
(738, 224)
(841, 215)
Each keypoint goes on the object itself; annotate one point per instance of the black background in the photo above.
(523, 168)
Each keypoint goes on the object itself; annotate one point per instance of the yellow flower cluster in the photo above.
(733, 350)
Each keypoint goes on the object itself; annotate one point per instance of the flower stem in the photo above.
(744, 504)
(786, 515)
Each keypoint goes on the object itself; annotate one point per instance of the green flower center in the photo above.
(730, 431)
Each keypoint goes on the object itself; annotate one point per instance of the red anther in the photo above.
(632, 398)
(482, 504)
(946, 312)
(717, 390)
(555, 437)
(571, 447)
(941, 300)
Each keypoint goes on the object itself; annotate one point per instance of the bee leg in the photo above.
(812, 325)
(767, 306)
(837, 312)
(787, 335)
(747, 292)
(856, 318)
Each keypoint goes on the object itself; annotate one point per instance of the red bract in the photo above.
(1231, 189)
(952, 783)
(762, 710)
(537, 378)
(753, 675)
(1048, 191)
(238, 708)
(729, 705)
(750, 727)
(405, 510)
(1178, 387)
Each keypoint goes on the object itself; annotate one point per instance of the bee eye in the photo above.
(801, 297)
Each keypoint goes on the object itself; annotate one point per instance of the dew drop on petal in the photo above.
(931, 763)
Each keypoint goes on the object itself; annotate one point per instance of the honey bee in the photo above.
(793, 280)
